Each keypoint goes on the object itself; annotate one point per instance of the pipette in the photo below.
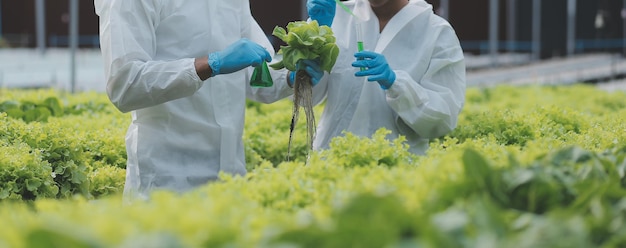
(357, 25)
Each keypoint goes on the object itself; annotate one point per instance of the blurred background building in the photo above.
(540, 41)
(598, 25)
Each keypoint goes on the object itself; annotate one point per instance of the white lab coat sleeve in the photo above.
(320, 90)
(431, 106)
(134, 78)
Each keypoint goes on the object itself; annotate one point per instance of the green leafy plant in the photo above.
(305, 41)
(41, 110)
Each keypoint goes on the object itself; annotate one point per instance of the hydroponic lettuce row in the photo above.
(526, 167)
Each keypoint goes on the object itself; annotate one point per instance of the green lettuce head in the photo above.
(306, 40)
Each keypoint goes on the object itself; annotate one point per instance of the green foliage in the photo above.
(106, 180)
(29, 111)
(306, 40)
(517, 116)
(526, 167)
(266, 134)
(353, 151)
(59, 237)
(366, 221)
(63, 155)
(498, 124)
(23, 174)
(72, 143)
(533, 201)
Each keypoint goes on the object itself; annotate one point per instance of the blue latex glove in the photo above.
(377, 68)
(311, 67)
(323, 11)
(239, 55)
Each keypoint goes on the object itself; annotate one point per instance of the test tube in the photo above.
(359, 39)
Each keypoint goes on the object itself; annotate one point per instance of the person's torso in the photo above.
(204, 130)
(356, 105)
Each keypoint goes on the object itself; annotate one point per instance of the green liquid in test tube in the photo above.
(359, 39)
(359, 20)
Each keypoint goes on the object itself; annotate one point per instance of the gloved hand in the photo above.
(323, 11)
(239, 55)
(311, 67)
(377, 68)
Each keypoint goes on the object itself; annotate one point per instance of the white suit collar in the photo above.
(404, 16)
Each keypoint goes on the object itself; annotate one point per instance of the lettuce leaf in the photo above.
(306, 40)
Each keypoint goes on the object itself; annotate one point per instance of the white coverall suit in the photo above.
(429, 91)
(184, 131)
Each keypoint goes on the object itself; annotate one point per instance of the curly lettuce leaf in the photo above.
(306, 40)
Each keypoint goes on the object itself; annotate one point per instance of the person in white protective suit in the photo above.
(182, 68)
(413, 82)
